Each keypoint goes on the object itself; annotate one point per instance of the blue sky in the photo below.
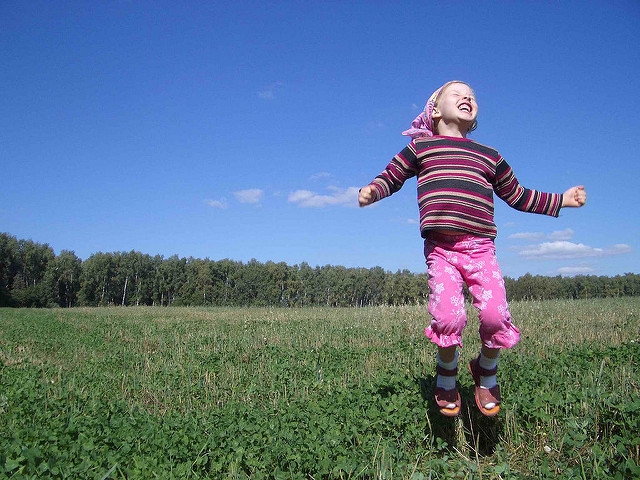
(243, 130)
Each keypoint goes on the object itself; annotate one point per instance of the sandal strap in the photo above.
(483, 372)
(446, 373)
(445, 397)
(488, 395)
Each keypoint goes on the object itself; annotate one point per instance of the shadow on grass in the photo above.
(470, 430)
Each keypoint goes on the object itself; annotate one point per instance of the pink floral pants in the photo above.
(456, 259)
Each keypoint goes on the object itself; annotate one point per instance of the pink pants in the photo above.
(452, 260)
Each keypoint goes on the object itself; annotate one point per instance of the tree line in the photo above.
(31, 275)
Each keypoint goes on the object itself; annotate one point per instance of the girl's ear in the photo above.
(435, 117)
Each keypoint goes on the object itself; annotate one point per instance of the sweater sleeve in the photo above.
(515, 195)
(402, 167)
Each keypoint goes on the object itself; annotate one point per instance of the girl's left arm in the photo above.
(509, 189)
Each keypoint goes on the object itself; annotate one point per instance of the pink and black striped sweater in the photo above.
(456, 181)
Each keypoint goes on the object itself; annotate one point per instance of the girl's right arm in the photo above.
(402, 167)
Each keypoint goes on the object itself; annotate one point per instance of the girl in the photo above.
(456, 181)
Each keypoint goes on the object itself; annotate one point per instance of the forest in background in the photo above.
(31, 275)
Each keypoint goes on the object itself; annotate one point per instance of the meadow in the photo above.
(143, 392)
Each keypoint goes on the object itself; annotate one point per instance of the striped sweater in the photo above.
(456, 181)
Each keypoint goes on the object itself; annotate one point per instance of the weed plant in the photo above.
(312, 393)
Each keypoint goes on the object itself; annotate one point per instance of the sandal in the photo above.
(446, 398)
(487, 399)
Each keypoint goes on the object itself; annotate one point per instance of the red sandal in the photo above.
(445, 398)
(485, 396)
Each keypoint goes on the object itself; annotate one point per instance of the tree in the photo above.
(224, 275)
(282, 283)
(251, 284)
(63, 279)
(132, 278)
(9, 268)
(32, 275)
(376, 281)
(198, 286)
(169, 277)
(306, 294)
(97, 280)
(28, 288)
(142, 288)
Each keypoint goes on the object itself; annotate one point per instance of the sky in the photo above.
(243, 130)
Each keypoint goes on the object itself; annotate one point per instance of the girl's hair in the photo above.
(474, 125)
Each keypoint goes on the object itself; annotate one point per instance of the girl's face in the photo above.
(456, 109)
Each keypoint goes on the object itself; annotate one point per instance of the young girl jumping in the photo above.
(456, 181)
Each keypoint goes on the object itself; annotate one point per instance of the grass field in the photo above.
(312, 393)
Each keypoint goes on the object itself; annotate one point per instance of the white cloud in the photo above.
(563, 249)
(572, 271)
(558, 235)
(339, 196)
(527, 236)
(560, 249)
(252, 195)
(266, 94)
(221, 204)
(319, 176)
(619, 249)
(374, 126)
(300, 196)
(566, 234)
(405, 220)
(269, 92)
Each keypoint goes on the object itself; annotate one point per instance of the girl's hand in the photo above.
(574, 197)
(366, 195)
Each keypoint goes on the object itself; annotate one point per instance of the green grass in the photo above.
(312, 393)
